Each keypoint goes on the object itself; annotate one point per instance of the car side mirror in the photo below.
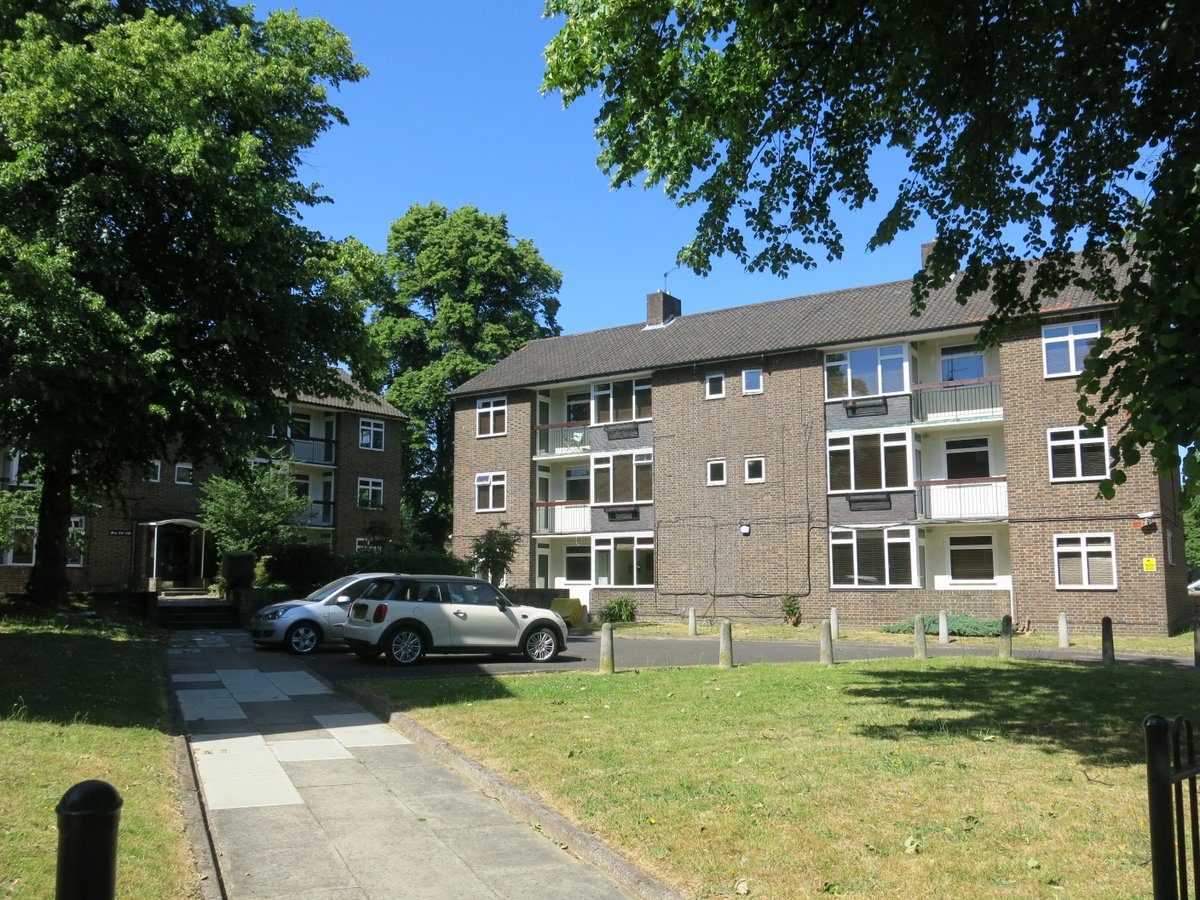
(501, 602)
(342, 599)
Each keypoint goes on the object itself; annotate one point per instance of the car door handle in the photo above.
(460, 613)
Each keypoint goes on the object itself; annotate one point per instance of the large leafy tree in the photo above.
(256, 511)
(1031, 129)
(156, 287)
(467, 294)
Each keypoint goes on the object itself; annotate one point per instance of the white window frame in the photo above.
(608, 543)
(371, 487)
(492, 480)
(6, 554)
(486, 410)
(960, 351)
(75, 559)
(712, 379)
(606, 461)
(905, 438)
(1074, 333)
(191, 473)
(982, 541)
(604, 396)
(577, 550)
(1082, 548)
(762, 462)
(1076, 441)
(368, 431)
(896, 535)
(153, 472)
(887, 351)
(758, 373)
(708, 467)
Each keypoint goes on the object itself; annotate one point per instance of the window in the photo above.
(752, 381)
(627, 478)
(961, 363)
(183, 473)
(577, 484)
(621, 401)
(1083, 561)
(716, 471)
(972, 558)
(578, 564)
(756, 469)
(867, 372)
(579, 408)
(75, 542)
(370, 434)
(868, 462)
(153, 471)
(22, 553)
(967, 458)
(489, 491)
(1078, 454)
(1169, 544)
(714, 385)
(872, 557)
(625, 561)
(15, 469)
(1065, 347)
(370, 493)
(491, 417)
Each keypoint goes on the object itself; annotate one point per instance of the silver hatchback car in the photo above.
(303, 625)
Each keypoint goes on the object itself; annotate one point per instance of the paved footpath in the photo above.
(307, 795)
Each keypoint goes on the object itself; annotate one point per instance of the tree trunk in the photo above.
(48, 580)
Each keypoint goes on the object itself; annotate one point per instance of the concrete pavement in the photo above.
(306, 794)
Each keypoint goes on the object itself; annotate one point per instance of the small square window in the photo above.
(752, 381)
(1065, 347)
(370, 493)
(491, 417)
(714, 385)
(756, 469)
(153, 471)
(183, 473)
(490, 493)
(716, 471)
(370, 434)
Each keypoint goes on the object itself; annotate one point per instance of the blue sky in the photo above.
(452, 113)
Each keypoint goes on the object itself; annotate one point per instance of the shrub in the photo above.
(791, 609)
(618, 609)
(262, 572)
(959, 626)
(237, 569)
(303, 567)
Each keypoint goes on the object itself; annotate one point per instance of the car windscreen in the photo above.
(326, 590)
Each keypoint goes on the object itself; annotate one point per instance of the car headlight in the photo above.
(272, 615)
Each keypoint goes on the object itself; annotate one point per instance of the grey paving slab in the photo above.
(422, 781)
(353, 802)
(458, 810)
(297, 684)
(501, 847)
(302, 751)
(382, 760)
(327, 772)
(307, 865)
(208, 703)
(576, 882)
(360, 730)
(262, 713)
(259, 830)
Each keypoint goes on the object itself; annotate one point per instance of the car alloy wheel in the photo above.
(405, 647)
(302, 638)
(541, 645)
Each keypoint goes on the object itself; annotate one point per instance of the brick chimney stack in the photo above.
(661, 308)
(926, 249)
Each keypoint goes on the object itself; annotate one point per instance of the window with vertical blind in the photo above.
(972, 558)
(873, 557)
(1078, 453)
(866, 372)
(868, 462)
(1085, 561)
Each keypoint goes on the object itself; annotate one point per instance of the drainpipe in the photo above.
(154, 563)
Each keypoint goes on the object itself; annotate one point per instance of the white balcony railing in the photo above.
(319, 513)
(966, 498)
(566, 517)
(953, 401)
(558, 439)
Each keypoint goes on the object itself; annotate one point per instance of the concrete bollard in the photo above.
(943, 628)
(88, 816)
(1107, 655)
(606, 649)
(1196, 647)
(1006, 638)
(725, 661)
(834, 631)
(920, 651)
(826, 642)
(1064, 636)
(692, 621)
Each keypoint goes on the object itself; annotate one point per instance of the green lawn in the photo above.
(954, 777)
(78, 701)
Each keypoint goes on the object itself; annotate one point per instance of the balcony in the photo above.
(319, 514)
(563, 438)
(969, 400)
(563, 517)
(314, 451)
(962, 499)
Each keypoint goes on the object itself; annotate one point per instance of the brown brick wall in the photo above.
(351, 521)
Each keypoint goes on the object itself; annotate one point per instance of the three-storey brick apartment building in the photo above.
(346, 459)
(830, 447)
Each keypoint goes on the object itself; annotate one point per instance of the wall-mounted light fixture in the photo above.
(744, 528)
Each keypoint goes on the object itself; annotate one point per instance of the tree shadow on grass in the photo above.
(1091, 710)
(98, 676)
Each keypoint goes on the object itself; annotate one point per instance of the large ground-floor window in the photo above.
(1085, 561)
(873, 557)
(624, 561)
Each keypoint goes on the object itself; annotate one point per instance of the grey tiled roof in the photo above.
(362, 401)
(817, 320)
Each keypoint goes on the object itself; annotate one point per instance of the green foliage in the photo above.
(791, 609)
(493, 551)
(18, 512)
(465, 294)
(1191, 530)
(303, 567)
(156, 287)
(960, 626)
(618, 609)
(1053, 128)
(262, 572)
(237, 569)
(258, 512)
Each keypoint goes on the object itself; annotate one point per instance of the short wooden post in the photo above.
(1196, 647)
(834, 631)
(692, 621)
(1006, 637)
(943, 628)
(606, 649)
(1064, 636)
(725, 661)
(826, 642)
(920, 651)
(1107, 655)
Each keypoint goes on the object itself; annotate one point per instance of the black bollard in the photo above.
(88, 815)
